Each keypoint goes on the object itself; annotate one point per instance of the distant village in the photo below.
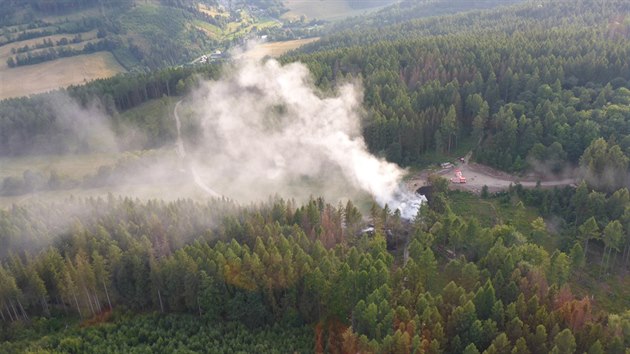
(216, 55)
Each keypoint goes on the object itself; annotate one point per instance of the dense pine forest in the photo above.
(444, 283)
(537, 86)
(530, 87)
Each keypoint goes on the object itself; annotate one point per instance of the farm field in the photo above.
(276, 49)
(323, 9)
(74, 166)
(212, 11)
(57, 73)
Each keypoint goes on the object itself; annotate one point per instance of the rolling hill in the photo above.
(41, 42)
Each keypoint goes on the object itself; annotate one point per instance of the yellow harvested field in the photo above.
(50, 75)
(276, 49)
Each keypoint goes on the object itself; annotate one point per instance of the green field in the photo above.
(74, 166)
(152, 176)
(235, 29)
(77, 166)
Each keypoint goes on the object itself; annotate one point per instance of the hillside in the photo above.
(138, 36)
(108, 38)
(274, 206)
(331, 9)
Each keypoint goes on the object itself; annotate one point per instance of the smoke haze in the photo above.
(89, 125)
(268, 130)
(264, 130)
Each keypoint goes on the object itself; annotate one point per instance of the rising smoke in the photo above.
(267, 130)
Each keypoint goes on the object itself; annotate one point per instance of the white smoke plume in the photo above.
(265, 130)
(89, 125)
(268, 130)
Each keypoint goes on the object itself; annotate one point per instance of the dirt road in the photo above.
(478, 176)
(181, 151)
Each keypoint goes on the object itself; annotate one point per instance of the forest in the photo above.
(535, 86)
(263, 267)
(519, 85)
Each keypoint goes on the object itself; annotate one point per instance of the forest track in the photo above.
(187, 163)
(478, 176)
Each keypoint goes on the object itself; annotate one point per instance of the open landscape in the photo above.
(292, 176)
(130, 35)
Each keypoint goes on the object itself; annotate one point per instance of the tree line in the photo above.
(36, 57)
(85, 24)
